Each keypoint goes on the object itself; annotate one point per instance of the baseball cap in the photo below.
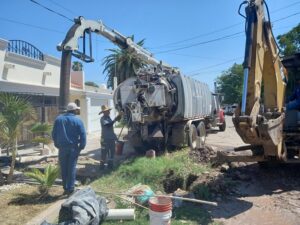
(72, 106)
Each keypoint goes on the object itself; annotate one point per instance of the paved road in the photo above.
(227, 139)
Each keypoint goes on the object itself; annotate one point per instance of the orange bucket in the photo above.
(119, 147)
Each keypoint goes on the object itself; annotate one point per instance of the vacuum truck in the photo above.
(161, 106)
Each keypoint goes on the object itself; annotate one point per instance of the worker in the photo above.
(69, 137)
(108, 137)
(294, 100)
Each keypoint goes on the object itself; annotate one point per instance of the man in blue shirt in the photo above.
(69, 137)
(108, 137)
(294, 100)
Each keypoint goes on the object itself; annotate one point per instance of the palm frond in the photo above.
(37, 175)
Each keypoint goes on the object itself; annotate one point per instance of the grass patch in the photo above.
(149, 171)
(152, 172)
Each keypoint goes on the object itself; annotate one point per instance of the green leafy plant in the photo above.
(46, 179)
(15, 111)
(43, 130)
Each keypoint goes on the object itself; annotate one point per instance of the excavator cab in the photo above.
(292, 117)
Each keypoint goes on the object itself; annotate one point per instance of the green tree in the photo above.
(91, 83)
(77, 66)
(15, 111)
(290, 41)
(122, 64)
(230, 83)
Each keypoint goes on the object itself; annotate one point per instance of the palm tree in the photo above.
(122, 64)
(77, 66)
(45, 179)
(15, 111)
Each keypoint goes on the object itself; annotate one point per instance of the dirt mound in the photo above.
(203, 155)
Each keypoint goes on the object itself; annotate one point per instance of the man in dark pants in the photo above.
(108, 137)
(69, 137)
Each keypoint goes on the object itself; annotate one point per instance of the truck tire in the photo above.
(193, 137)
(201, 133)
(223, 126)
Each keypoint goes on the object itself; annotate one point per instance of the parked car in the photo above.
(230, 109)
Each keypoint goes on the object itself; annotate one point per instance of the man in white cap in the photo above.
(108, 137)
(69, 137)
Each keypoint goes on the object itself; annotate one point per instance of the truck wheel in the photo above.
(193, 137)
(223, 126)
(201, 132)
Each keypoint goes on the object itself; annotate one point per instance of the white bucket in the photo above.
(160, 218)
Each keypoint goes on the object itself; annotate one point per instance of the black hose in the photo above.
(269, 18)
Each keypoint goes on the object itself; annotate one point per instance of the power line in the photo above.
(221, 29)
(196, 37)
(194, 56)
(212, 66)
(33, 26)
(201, 70)
(63, 7)
(51, 10)
(217, 39)
(285, 7)
(286, 17)
(201, 43)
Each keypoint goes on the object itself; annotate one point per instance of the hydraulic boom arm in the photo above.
(69, 47)
(264, 84)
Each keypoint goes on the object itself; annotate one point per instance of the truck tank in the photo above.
(158, 107)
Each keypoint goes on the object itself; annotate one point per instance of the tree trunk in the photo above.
(13, 161)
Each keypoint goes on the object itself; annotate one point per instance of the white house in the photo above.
(25, 70)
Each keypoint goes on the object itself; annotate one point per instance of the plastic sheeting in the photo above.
(82, 208)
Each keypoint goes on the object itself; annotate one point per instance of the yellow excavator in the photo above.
(261, 121)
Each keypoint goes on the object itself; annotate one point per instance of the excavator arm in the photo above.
(259, 121)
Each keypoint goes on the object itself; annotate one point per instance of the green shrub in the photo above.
(46, 179)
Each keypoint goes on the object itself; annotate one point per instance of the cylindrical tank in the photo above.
(154, 105)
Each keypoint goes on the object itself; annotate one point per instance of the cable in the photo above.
(217, 39)
(215, 65)
(51, 10)
(286, 17)
(195, 56)
(285, 7)
(61, 6)
(221, 63)
(195, 37)
(221, 29)
(31, 25)
(200, 43)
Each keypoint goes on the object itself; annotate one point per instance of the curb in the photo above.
(49, 214)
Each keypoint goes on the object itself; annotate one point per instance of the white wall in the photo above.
(22, 69)
(24, 74)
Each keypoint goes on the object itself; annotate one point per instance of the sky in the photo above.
(202, 38)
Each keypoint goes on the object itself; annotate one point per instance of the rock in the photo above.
(234, 165)
(224, 168)
(150, 153)
(242, 164)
